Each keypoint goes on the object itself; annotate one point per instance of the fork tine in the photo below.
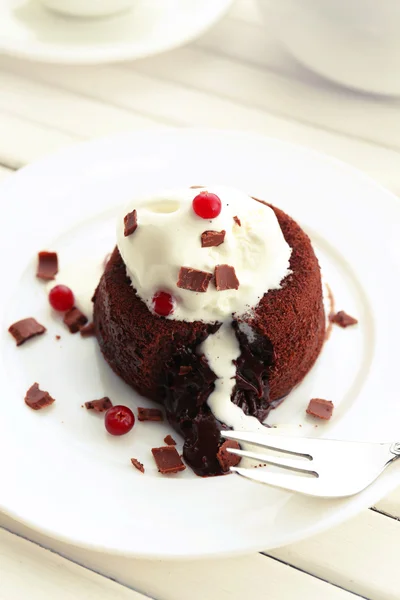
(292, 483)
(279, 443)
(285, 463)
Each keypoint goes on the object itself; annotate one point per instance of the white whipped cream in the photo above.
(221, 349)
(168, 238)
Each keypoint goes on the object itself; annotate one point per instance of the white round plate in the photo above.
(61, 473)
(29, 30)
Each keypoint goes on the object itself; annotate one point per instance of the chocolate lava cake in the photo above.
(159, 357)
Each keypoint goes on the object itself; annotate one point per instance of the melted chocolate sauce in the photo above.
(251, 391)
(187, 384)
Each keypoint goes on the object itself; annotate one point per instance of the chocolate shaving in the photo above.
(130, 223)
(74, 319)
(58, 337)
(196, 187)
(225, 278)
(237, 221)
(150, 414)
(137, 464)
(37, 399)
(87, 330)
(25, 329)
(225, 458)
(47, 266)
(193, 280)
(342, 319)
(169, 440)
(99, 405)
(212, 238)
(320, 408)
(168, 460)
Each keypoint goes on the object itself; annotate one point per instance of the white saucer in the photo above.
(29, 30)
(61, 473)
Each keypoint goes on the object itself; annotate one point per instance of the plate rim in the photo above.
(339, 515)
(126, 52)
(336, 519)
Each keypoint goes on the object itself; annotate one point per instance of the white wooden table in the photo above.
(238, 77)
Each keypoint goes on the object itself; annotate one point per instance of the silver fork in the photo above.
(325, 468)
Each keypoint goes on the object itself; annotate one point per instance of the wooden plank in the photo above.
(256, 576)
(22, 141)
(112, 85)
(28, 571)
(360, 555)
(65, 111)
(183, 106)
(324, 105)
(391, 504)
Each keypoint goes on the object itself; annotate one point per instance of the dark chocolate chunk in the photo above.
(211, 238)
(74, 319)
(169, 440)
(193, 280)
(36, 398)
(168, 460)
(322, 409)
(225, 278)
(87, 330)
(237, 221)
(99, 405)
(25, 329)
(47, 265)
(225, 458)
(130, 223)
(137, 464)
(342, 319)
(150, 414)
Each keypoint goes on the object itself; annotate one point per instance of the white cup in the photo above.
(353, 42)
(88, 8)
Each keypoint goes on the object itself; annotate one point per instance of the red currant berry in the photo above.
(207, 205)
(61, 298)
(119, 420)
(163, 304)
